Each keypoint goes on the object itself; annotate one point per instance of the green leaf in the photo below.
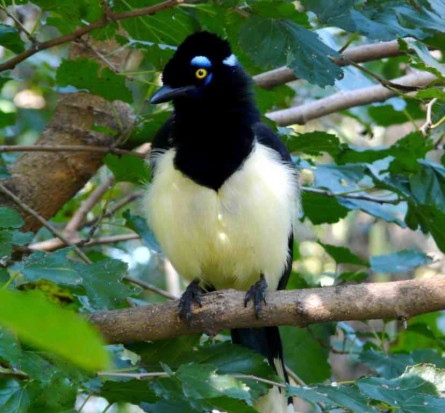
(10, 218)
(101, 281)
(429, 373)
(386, 365)
(279, 9)
(386, 115)
(333, 396)
(200, 381)
(167, 27)
(131, 391)
(229, 405)
(128, 168)
(10, 39)
(399, 262)
(313, 143)
(322, 209)
(277, 42)
(305, 355)
(171, 351)
(13, 397)
(139, 225)
(431, 93)
(85, 74)
(407, 394)
(51, 328)
(343, 255)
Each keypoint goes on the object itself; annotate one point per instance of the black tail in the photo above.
(264, 340)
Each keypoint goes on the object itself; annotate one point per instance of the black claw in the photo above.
(257, 293)
(191, 294)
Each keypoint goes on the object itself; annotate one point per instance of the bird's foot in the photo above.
(257, 293)
(191, 294)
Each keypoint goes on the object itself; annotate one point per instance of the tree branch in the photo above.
(224, 309)
(68, 148)
(359, 54)
(109, 17)
(345, 100)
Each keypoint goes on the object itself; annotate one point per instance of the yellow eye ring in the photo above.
(201, 73)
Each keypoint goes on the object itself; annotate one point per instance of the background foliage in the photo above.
(373, 201)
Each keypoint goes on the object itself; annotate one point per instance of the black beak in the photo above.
(166, 93)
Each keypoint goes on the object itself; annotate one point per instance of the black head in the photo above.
(203, 68)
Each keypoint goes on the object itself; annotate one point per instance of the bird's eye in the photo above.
(201, 73)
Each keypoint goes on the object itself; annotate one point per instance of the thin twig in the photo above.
(351, 196)
(427, 125)
(295, 377)
(150, 287)
(118, 205)
(80, 215)
(348, 42)
(43, 221)
(386, 83)
(81, 31)
(142, 376)
(19, 24)
(20, 375)
(67, 148)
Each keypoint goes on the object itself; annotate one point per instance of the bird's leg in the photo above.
(257, 293)
(191, 294)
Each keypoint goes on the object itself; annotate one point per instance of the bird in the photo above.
(224, 197)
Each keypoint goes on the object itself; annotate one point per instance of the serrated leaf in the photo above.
(200, 381)
(313, 143)
(409, 394)
(101, 281)
(428, 372)
(168, 27)
(128, 168)
(51, 328)
(276, 42)
(399, 262)
(333, 396)
(386, 365)
(85, 74)
(431, 93)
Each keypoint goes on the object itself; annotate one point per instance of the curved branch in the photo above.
(345, 100)
(37, 47)
(224, 309)
(359, 54)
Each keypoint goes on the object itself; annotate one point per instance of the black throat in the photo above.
(214, 136)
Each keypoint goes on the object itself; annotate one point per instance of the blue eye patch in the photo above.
(201, 61)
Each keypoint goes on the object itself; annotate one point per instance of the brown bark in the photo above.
(45, 181)
(225, 310)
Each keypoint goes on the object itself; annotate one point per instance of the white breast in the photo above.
(226, 237)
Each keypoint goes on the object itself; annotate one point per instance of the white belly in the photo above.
(231, 236)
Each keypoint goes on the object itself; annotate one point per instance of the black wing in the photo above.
(268, 138)
(162, 140)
